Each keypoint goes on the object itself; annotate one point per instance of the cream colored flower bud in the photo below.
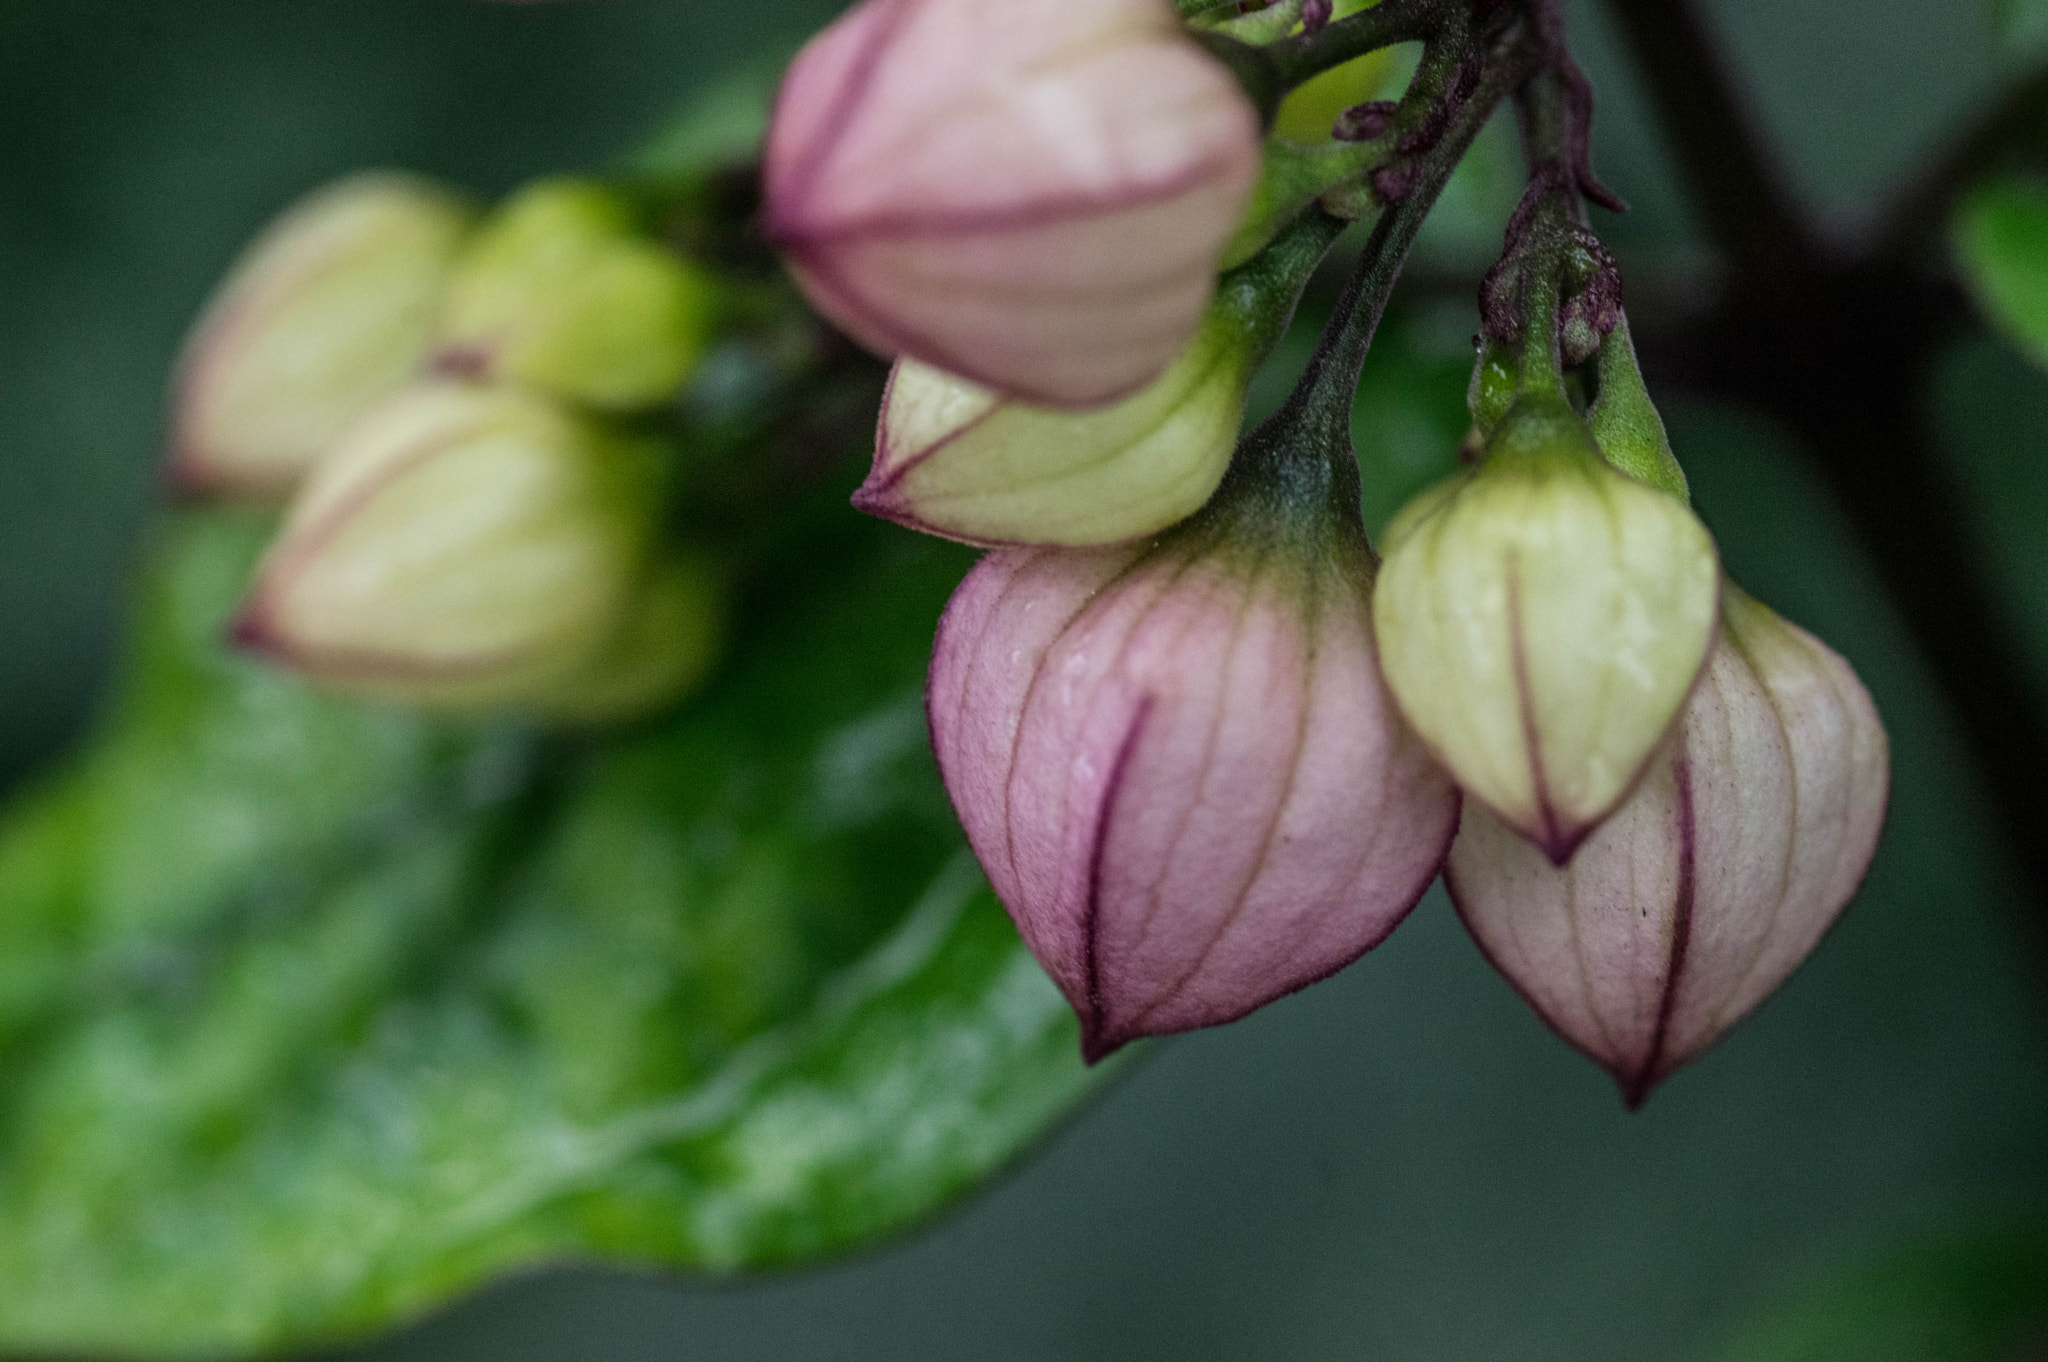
(956, 459)
(1541, 620)
(563, 293)
(1716, 878)
(329, 311)
(463, 547)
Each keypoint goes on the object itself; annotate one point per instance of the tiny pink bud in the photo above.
(1182, 773)
(1033, 194)
(1714, 880)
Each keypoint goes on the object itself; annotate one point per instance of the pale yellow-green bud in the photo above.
(329, 311)
(562, 292)
(960, 460)
(665, 645)
(1541, 620)
(463, 548)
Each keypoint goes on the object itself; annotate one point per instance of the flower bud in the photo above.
(1717, 877)
(329, 311)
(1032, 194)
(956, 459)
(562, 292)
(1181, 771)
(463, 547)
(1541, 619)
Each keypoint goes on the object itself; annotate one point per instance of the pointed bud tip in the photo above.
(253, 631)
(464, 363)
(1096, 1047)
(876, 497)
(1560, 845)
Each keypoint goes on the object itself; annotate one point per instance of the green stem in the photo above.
(1387, 23)
(1302, 456)
(1546, 130)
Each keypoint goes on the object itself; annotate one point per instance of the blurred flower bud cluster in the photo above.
(451, 407)
(1207, 744)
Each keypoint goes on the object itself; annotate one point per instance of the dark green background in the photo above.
(1400, 1164)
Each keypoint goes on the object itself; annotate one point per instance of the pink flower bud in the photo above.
(1182, 773)
(1717, 876)
(1032, 194)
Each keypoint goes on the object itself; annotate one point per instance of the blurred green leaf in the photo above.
(2021, 26)
(722, 125)
(1974, 1294)
(2001, 245)
(314, 1013)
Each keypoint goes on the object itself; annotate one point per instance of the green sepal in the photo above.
(1625, 421)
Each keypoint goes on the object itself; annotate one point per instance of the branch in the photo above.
(1917, 214)
(1735, 187)
(1387, 23)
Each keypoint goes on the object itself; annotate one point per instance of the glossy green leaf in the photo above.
(313, 1013)
(1975, 1293)
(2001, 245)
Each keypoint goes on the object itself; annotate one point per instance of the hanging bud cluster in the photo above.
(1207, 745)
(442, 402)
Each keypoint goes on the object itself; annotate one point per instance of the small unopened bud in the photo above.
(329, 311)
(1182, 772)
(1033, 194)
(1717, 877)
(1541, 619)
(463, 547)
(957, 459)
(563, 293)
